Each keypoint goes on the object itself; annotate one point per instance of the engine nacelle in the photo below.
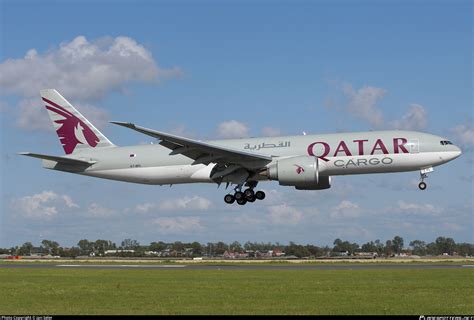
(302, 172)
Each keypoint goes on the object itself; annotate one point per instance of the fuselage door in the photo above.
(414, 145)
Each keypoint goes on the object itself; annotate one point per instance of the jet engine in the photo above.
(302, 172)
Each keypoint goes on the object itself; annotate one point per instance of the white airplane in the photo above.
(305, 162)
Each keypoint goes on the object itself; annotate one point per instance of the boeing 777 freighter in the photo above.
(305, 162)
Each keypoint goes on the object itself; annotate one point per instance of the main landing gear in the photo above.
(249, 195)
(423, 176)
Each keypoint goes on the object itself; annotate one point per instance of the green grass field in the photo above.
(82, 291)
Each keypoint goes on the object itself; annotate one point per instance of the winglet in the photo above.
(124, 124)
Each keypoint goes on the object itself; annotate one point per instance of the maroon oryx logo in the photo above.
(73, 131)
(299, 169)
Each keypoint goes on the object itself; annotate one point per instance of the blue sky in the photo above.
(211, 69)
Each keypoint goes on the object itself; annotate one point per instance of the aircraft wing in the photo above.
(203, 152)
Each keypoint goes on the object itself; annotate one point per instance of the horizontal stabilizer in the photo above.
(58, 159)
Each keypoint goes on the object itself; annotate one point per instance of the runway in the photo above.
(233, 267)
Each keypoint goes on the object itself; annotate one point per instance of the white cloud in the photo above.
(414, 119)
(271, 132)
(186, 203)
(465, 134)
(274, 197)
(68, 201)
(363, 103)
(178, 224)
(180, 130)
(145, 207)
(232, 129)
(44, 205)
(284, 214)
(244, 220)
(345, 209)
(32, 115)
(97, 210)
(342, 188)
(99, 117)
(419, 208)
(82, 69)
(452, 226)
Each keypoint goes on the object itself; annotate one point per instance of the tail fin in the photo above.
(75, 132)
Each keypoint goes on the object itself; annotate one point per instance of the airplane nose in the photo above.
(452, 153)
(457, 151)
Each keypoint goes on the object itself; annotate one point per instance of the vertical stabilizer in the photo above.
(75, 132)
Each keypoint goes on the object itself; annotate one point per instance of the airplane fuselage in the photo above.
(337, 153)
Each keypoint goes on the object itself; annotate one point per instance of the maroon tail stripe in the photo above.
(56, 105)
(60, 112)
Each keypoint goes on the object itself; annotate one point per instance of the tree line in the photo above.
(130, 247)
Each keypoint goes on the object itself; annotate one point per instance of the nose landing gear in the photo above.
(423, 176)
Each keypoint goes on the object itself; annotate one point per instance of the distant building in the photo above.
(113, 252)
(264, 254)
(228, 254)
(277, 252)
(340, 253)
(366, 254)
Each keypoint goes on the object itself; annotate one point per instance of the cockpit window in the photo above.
(445, 142)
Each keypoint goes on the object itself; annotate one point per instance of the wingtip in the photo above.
(123, 124)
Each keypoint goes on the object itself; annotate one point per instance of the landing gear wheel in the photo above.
(260, 195)
(249, 193)
(242, 201)
(239, 196)
(251, 199)
(229, 199)
(423, 176)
